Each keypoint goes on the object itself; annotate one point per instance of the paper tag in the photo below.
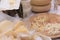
(9, 4)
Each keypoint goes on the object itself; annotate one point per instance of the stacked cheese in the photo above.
(40, 5)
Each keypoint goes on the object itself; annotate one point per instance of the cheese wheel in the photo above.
(40, 2)
(46, 24)
(41, 8)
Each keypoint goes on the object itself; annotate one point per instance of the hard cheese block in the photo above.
(9, 4)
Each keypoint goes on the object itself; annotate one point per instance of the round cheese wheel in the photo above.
(41, 8)
(46, 24)
(40, 2)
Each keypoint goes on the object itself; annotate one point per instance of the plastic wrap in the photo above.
(28, 13)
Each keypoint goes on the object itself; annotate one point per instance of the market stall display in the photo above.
(23, 24)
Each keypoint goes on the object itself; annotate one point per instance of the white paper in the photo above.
(9, 4)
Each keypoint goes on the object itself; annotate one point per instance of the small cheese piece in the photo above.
(5, 26)
(21, 29)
